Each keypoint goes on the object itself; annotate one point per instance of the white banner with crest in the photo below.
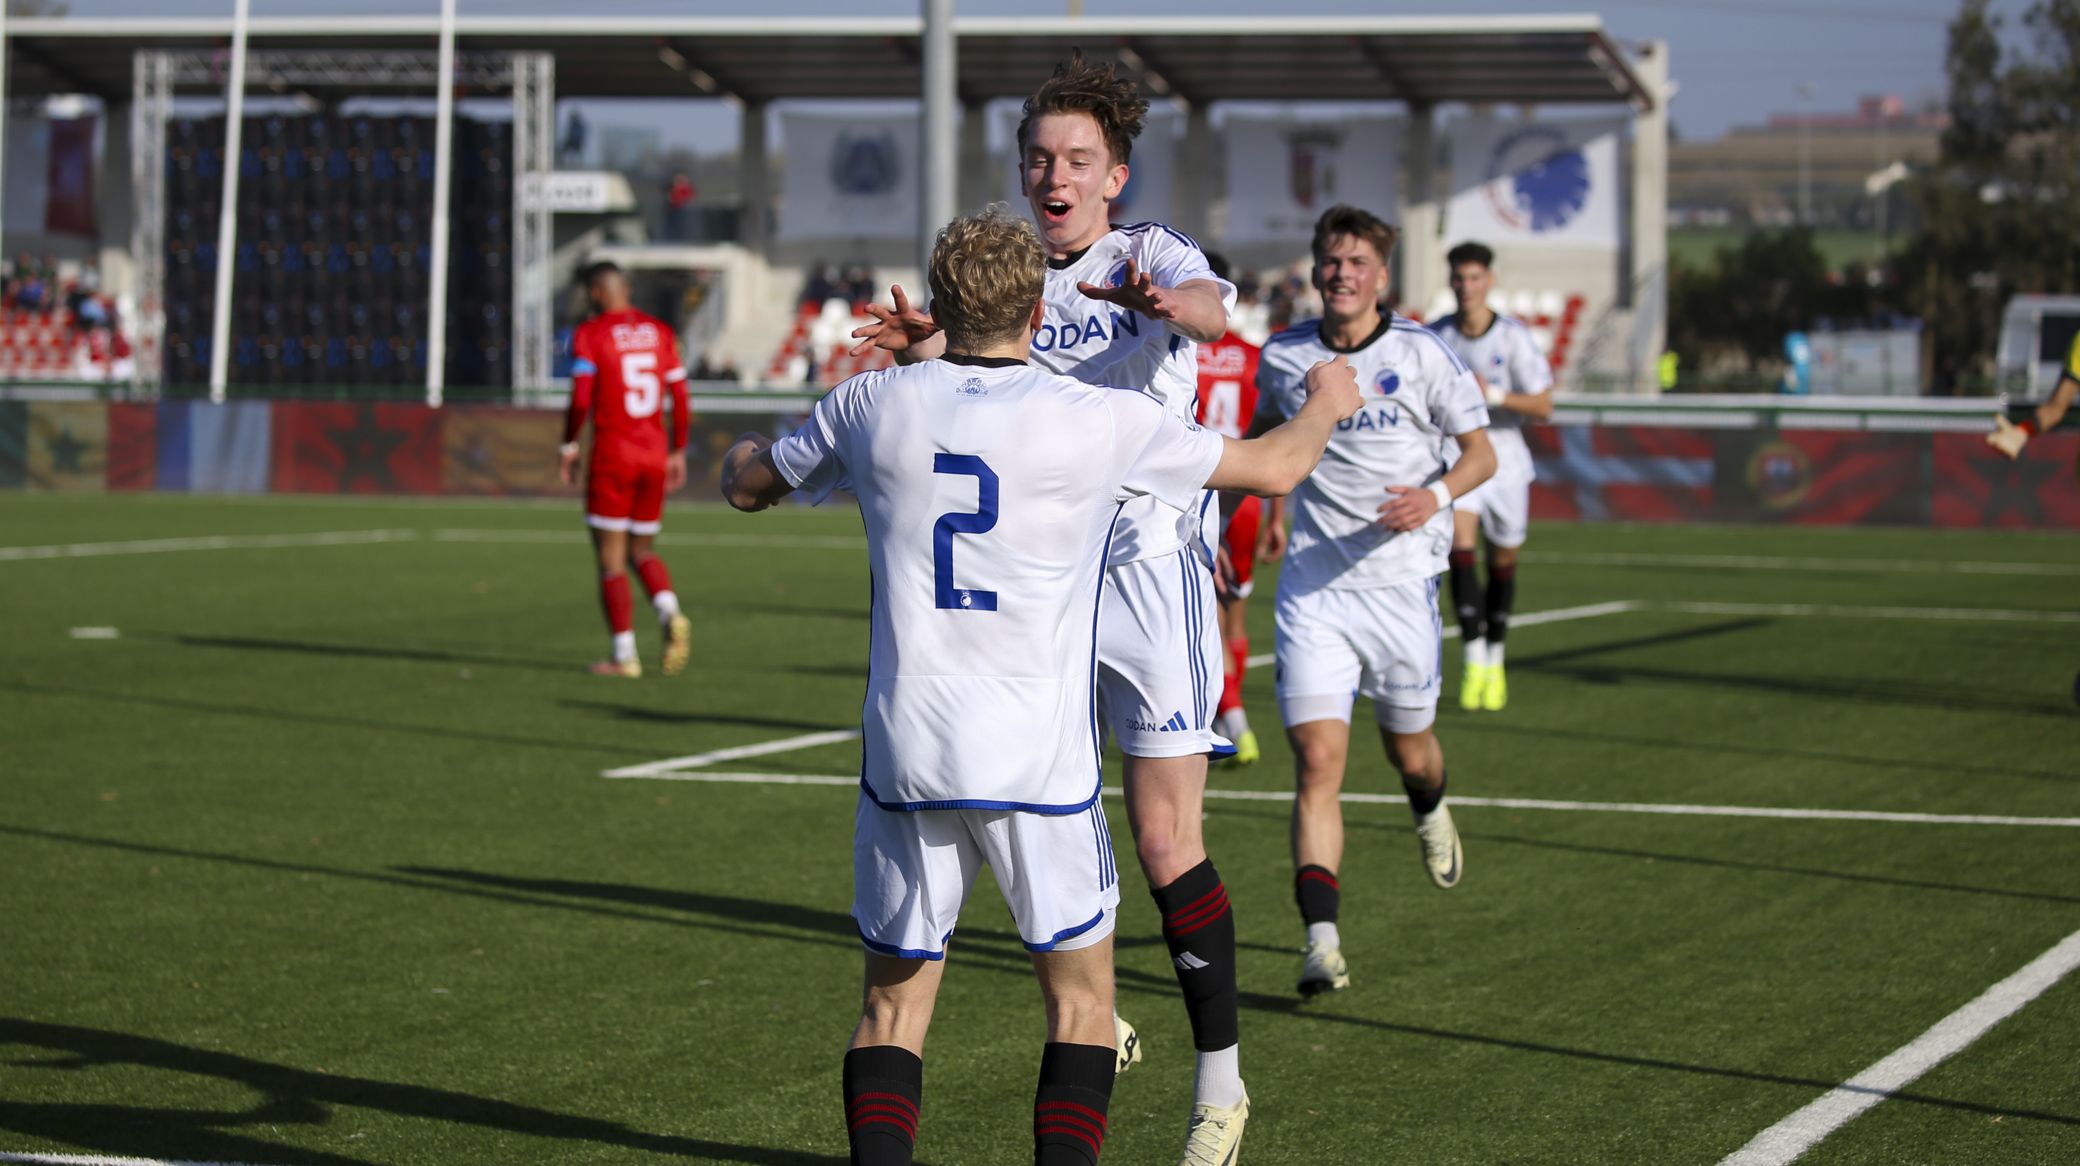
(849, 178)
(1283, 174)
(1535, 184)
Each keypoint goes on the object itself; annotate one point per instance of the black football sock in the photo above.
(1466, 596)
(1502, 597)
(1420, 799)
(1314, 887)
(883, 1084)
(1200, 929)
(1069, 1107)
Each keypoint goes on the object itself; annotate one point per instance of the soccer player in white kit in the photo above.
(1518, 381)
(989, 490)
(1128, 306)
(1357, 596)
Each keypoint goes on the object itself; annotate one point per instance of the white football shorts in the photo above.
(1385, 643)
(1504, 506)
(911, 872)
(1159, 657)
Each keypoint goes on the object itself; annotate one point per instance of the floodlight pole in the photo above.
(3, 98)
(940, 175)
(443, 147)
(227, 215)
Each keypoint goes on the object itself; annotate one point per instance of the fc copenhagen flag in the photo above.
(1551, 184)
(849, 178)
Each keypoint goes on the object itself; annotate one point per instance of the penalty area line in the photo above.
(1527, 620)
(1789, 1139)
(655, 773)
(672, 765)
(102, 1160)
(213, 542)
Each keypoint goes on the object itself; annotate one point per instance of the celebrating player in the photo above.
(989, 490)
(2009, 438)
(1518, 381)
(623, 361)
(1357, 597)
(1129, 306)
(1227, 401)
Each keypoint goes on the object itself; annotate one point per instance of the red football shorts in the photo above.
(625, 495)
(1241, 538)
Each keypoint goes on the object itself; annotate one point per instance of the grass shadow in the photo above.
(300, 1097)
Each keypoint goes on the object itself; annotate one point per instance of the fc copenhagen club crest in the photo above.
(1779, 475)
(1388, 382)
(864, 163)
(1311, 165)
(1537, 180)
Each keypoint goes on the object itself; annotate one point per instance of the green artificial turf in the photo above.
(314, 863)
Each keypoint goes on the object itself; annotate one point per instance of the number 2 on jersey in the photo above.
(979, 521)
(642, 392)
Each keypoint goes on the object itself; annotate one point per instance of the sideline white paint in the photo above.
(658, 771)
(100, 1160)
(1788, 1140)
(1796, 563)
(784, 542)
(1841, 611)
(1527, 620)
(213, 542)
(696, 760)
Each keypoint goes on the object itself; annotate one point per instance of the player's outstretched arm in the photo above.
(750, 480)
(1411, 506)
(906, 330)
(1281, 459)
(1193, 309)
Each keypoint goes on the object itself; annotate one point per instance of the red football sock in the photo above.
(1231, 679)
(615, 598)
(651, 570)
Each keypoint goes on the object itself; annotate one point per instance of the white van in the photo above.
(2036, 335)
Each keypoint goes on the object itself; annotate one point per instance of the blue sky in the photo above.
(1736, 61)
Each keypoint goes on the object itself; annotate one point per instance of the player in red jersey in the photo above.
(1227, 401)
(623, 361)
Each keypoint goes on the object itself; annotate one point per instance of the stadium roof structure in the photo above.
(1421, 60)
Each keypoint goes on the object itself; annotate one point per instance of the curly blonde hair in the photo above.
(987, 272)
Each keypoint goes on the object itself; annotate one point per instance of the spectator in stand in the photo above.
(820, 287)
(678, 207)
(859, 287)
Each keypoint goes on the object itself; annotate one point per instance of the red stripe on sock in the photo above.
(1320, 876)
(867, 1119)
(1177, 928)
(1220, 889)
(1096, 1144)
(898, 1098)
(1073, 1109)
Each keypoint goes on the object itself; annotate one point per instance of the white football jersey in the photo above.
(1507, 357)
(988, 488)
(1418, 397)
(1101, 344)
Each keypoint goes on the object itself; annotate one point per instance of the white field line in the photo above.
(212, 542)
(1798, 563)
(698, 760)
(783, 542)
(100, 1160)
(654, 772)
(1789, 1139)
(1527, 620)
(1985, 614)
